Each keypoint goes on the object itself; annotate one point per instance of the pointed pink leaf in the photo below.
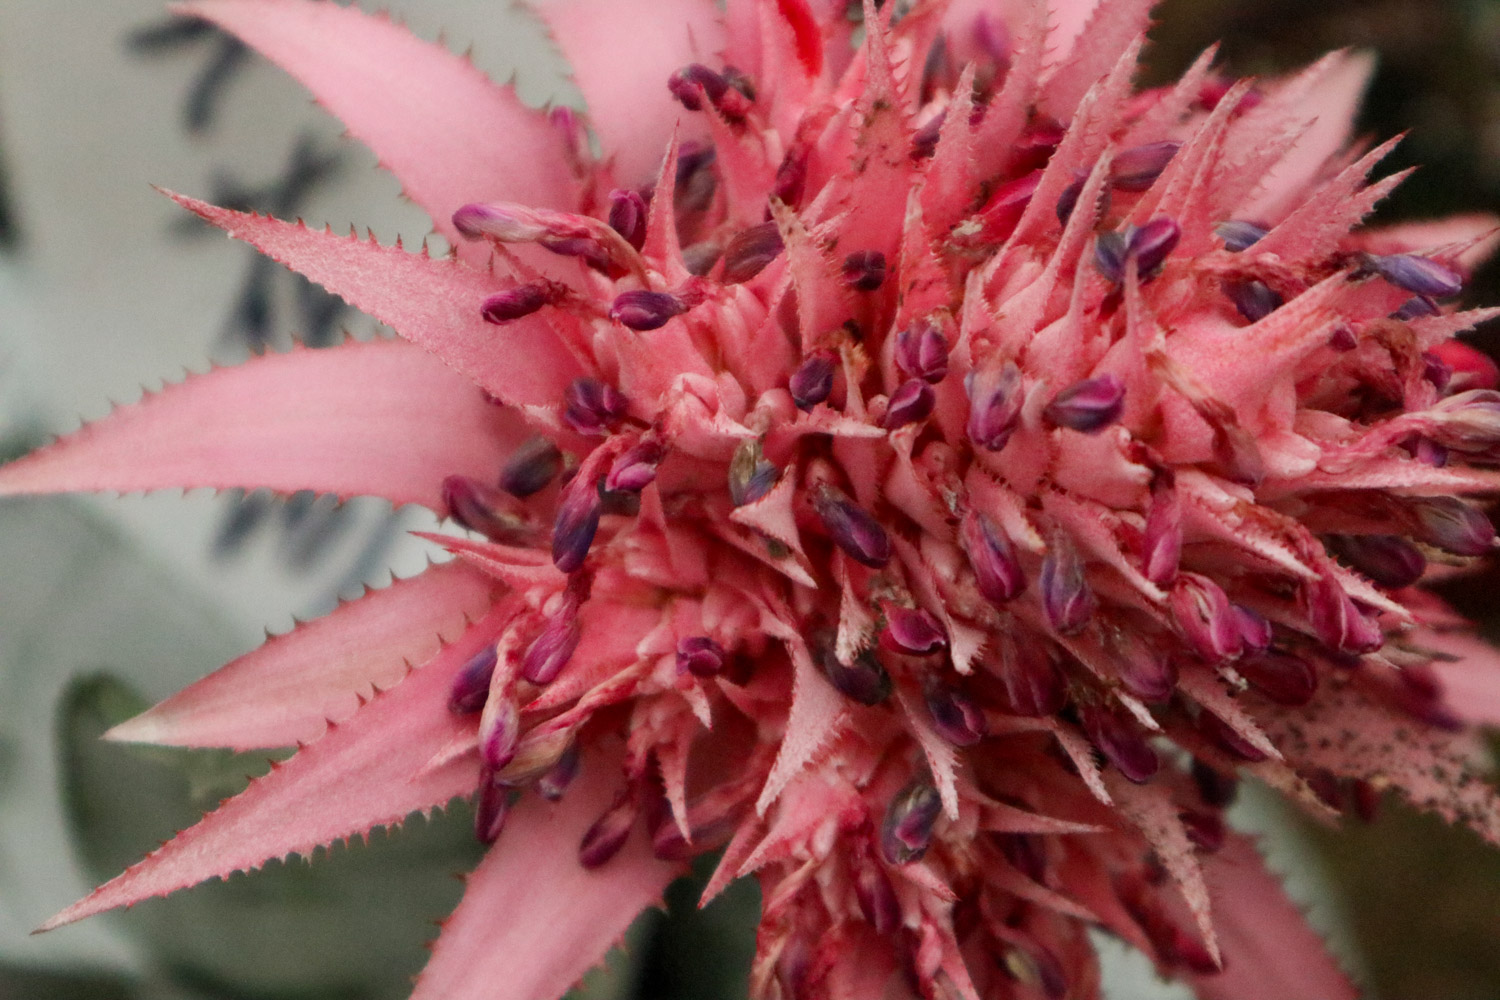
(622, 53)
(448, 133)
(323, 420)
(1107, 33)
(533, 920)
(434, 303)
(286, 691)
(370, 771)
(1269, 950)
(815, 717)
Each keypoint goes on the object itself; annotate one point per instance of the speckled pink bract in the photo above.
(884, 448)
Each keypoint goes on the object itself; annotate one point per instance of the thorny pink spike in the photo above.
(905, 457)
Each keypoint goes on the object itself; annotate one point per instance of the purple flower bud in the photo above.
(812, 382)
(1067, 599)
(693, 82)
(925, 139)
(1121, 742)
(997, 570)
(956, 716)
(508, 223)
(592, 407)
(1421, 276)
(1387, 560)
(1255, 631)
(922, 352)
(751, 477)
(1417, 307)
(1239, 235)
(750, 251)
(1161, 543)
(603, 840)
(852, 528)
(551, 651)
(635, 469)
(1222, 735)
(481, 507)
(864, 270)
(911, 403)
(491, 809)
(1215, 788)
(471, 686)
(577, 520)
(1088, 406)
(1254, 299)
(912, 630)
(523, 300)
(641, 309)
(1068, 200)
(877, 899)
(1144, 670)
(1450, 524)
(1205, 830)
(560, 775)
(1034, 685)
(906, 832)
(531, 468)
(864, 681)
(700, 656)
(1205, 617)
(499, 733)
(1151, 244)
(1136, 169)
(1337, 620)
(1110, 249)
(1283, 678)
(627, 215)
(995, 399)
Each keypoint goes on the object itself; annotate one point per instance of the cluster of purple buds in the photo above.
(593, 408)
(922, 352)
(812, 382)
(730, 92)
(1088, 406)
(1148, 246)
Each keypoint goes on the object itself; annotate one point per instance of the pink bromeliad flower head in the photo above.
(895, 453)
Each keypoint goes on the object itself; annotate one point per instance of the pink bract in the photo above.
(908, 459)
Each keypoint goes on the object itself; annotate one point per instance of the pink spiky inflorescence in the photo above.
(934, 487)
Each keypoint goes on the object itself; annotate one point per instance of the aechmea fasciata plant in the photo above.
(884, 448)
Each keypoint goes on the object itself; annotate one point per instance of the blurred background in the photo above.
(107, 604)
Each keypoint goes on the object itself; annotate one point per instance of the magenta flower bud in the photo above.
(693, 82)
(1205, 617)
(995, 399)
(627, 215)
(577, 520)
(491, 808)
(603, 840)
(1388, 560)
(635, 469)
(1417, 307)
(998, 219)
(640, 309)
(1067, 599)
(1421, 276)
(1121, 742)
(1151, 244)
(1034, 685)
(906, 832)
(852, 528)
(1026, 853)
(956, 716)
(480, 507)
(812, 382)
(1255, 631)
(551, 651)
(1450, 524)
(533, 465)
(912, 630)
(1144, 670)
(700, 656)
(922, 352)
(751, 477)
(1240, 235)
(499, 733)
(864, 270)
(1222, 735)
(750, 251)
(997, 570)
(592, 407)
(507, 223)
(523, 300)
(471, 685)
(1161, 543)
(552, 784)
(1136, 169)
(1088, 406)
(1283, 678)
(1254, 299)
(911, 403)
(1337, 620)
(877, 899)
(1206, 830)
(864, 681)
